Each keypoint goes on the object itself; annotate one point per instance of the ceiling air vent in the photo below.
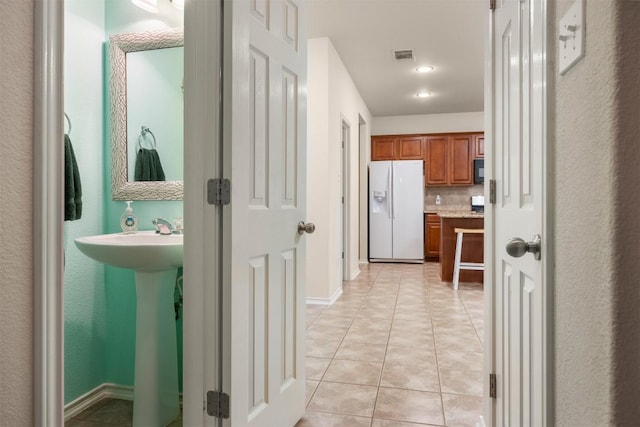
(403, 55)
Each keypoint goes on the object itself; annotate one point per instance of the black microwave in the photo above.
(478, 171)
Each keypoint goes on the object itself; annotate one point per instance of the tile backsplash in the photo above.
(451, 198)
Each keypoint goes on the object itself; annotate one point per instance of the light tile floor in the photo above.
(399, 348)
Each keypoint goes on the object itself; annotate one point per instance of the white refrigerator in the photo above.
(396, 211)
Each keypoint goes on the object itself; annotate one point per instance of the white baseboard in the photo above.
(325, 301)
(355, 274)
(92, 397)
(363, 261)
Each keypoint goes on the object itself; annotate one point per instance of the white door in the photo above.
(263, 253)
(519, 345)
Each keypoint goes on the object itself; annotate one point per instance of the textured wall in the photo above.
(596, 232)
(625, 383)
(16, 276)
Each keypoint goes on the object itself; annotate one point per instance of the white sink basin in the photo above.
(155, 259)
(144, 251)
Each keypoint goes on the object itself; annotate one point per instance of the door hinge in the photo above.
(492, 191)
(343, 200)
(342, 255)
(492, 386)
(219, 191)
(218, 404)
(492, 4)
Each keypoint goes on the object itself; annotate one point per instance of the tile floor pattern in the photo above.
(399, 348)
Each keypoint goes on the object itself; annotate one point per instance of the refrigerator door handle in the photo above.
(393, 190)
(390, 191)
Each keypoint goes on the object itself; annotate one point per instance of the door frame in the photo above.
(345, 141)
(541, 131)
(48, 217)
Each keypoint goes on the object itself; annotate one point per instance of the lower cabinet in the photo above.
(432, 236)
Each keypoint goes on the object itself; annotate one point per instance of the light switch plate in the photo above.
(571, 35)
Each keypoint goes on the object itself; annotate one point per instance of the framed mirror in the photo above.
(146, 120)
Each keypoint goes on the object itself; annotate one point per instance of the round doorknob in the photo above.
(517, 247)
(306, 228)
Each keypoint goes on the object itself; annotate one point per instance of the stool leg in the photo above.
(456, 266)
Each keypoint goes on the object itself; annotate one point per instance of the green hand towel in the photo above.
(72, 185)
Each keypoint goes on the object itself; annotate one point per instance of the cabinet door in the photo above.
(432, 236)
(436, 161)
(382, 148)
(410, 148)
(460, 160)
(478, 142)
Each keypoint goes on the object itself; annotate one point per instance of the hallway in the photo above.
(399, 348)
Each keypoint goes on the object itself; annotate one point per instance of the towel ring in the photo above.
(143, 132)
(69, 122)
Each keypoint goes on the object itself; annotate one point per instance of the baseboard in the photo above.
(92, 397)
(325, 301)
(481, 422)
(363, 261)
(355, 274)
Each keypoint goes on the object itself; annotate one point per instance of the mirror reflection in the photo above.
(155, 115)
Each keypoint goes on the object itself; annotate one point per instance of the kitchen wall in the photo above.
(332, 99)
(451, 198)
(85, 325)
(428, 123)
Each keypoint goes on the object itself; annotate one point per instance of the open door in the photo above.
(519, 353)
(264, 150)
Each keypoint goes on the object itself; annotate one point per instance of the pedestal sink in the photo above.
(155, 259)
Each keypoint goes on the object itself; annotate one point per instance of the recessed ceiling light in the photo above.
(423, 94)
(424, 69)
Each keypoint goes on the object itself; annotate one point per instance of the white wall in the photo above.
(428, 123)
(332, 98)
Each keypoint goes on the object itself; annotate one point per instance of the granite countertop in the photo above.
(448, 212)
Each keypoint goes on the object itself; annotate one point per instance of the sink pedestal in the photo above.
(155, 396)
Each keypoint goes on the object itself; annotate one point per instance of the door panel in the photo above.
(437, 160)
(519, 356)
(460, 160)
(263, 254)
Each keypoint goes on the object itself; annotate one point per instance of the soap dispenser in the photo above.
(128, 221)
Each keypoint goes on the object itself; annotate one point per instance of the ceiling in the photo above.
(447, 34)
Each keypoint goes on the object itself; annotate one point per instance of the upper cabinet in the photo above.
(448, 157)
(406, 147)
(478, 145)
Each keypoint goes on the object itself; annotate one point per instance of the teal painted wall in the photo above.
(121, 16)
(85, 299)
(100, 301)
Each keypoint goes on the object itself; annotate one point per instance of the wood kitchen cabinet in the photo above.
(432, 236)
(448, 159)
(478, 145)
(392, 147)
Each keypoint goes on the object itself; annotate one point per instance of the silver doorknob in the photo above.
(517, 247)
(306, 228)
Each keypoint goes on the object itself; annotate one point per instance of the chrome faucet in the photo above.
(162, 226)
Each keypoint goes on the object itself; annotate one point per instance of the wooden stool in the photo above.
(459, 265)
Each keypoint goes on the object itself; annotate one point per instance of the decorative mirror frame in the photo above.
(119, 46)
